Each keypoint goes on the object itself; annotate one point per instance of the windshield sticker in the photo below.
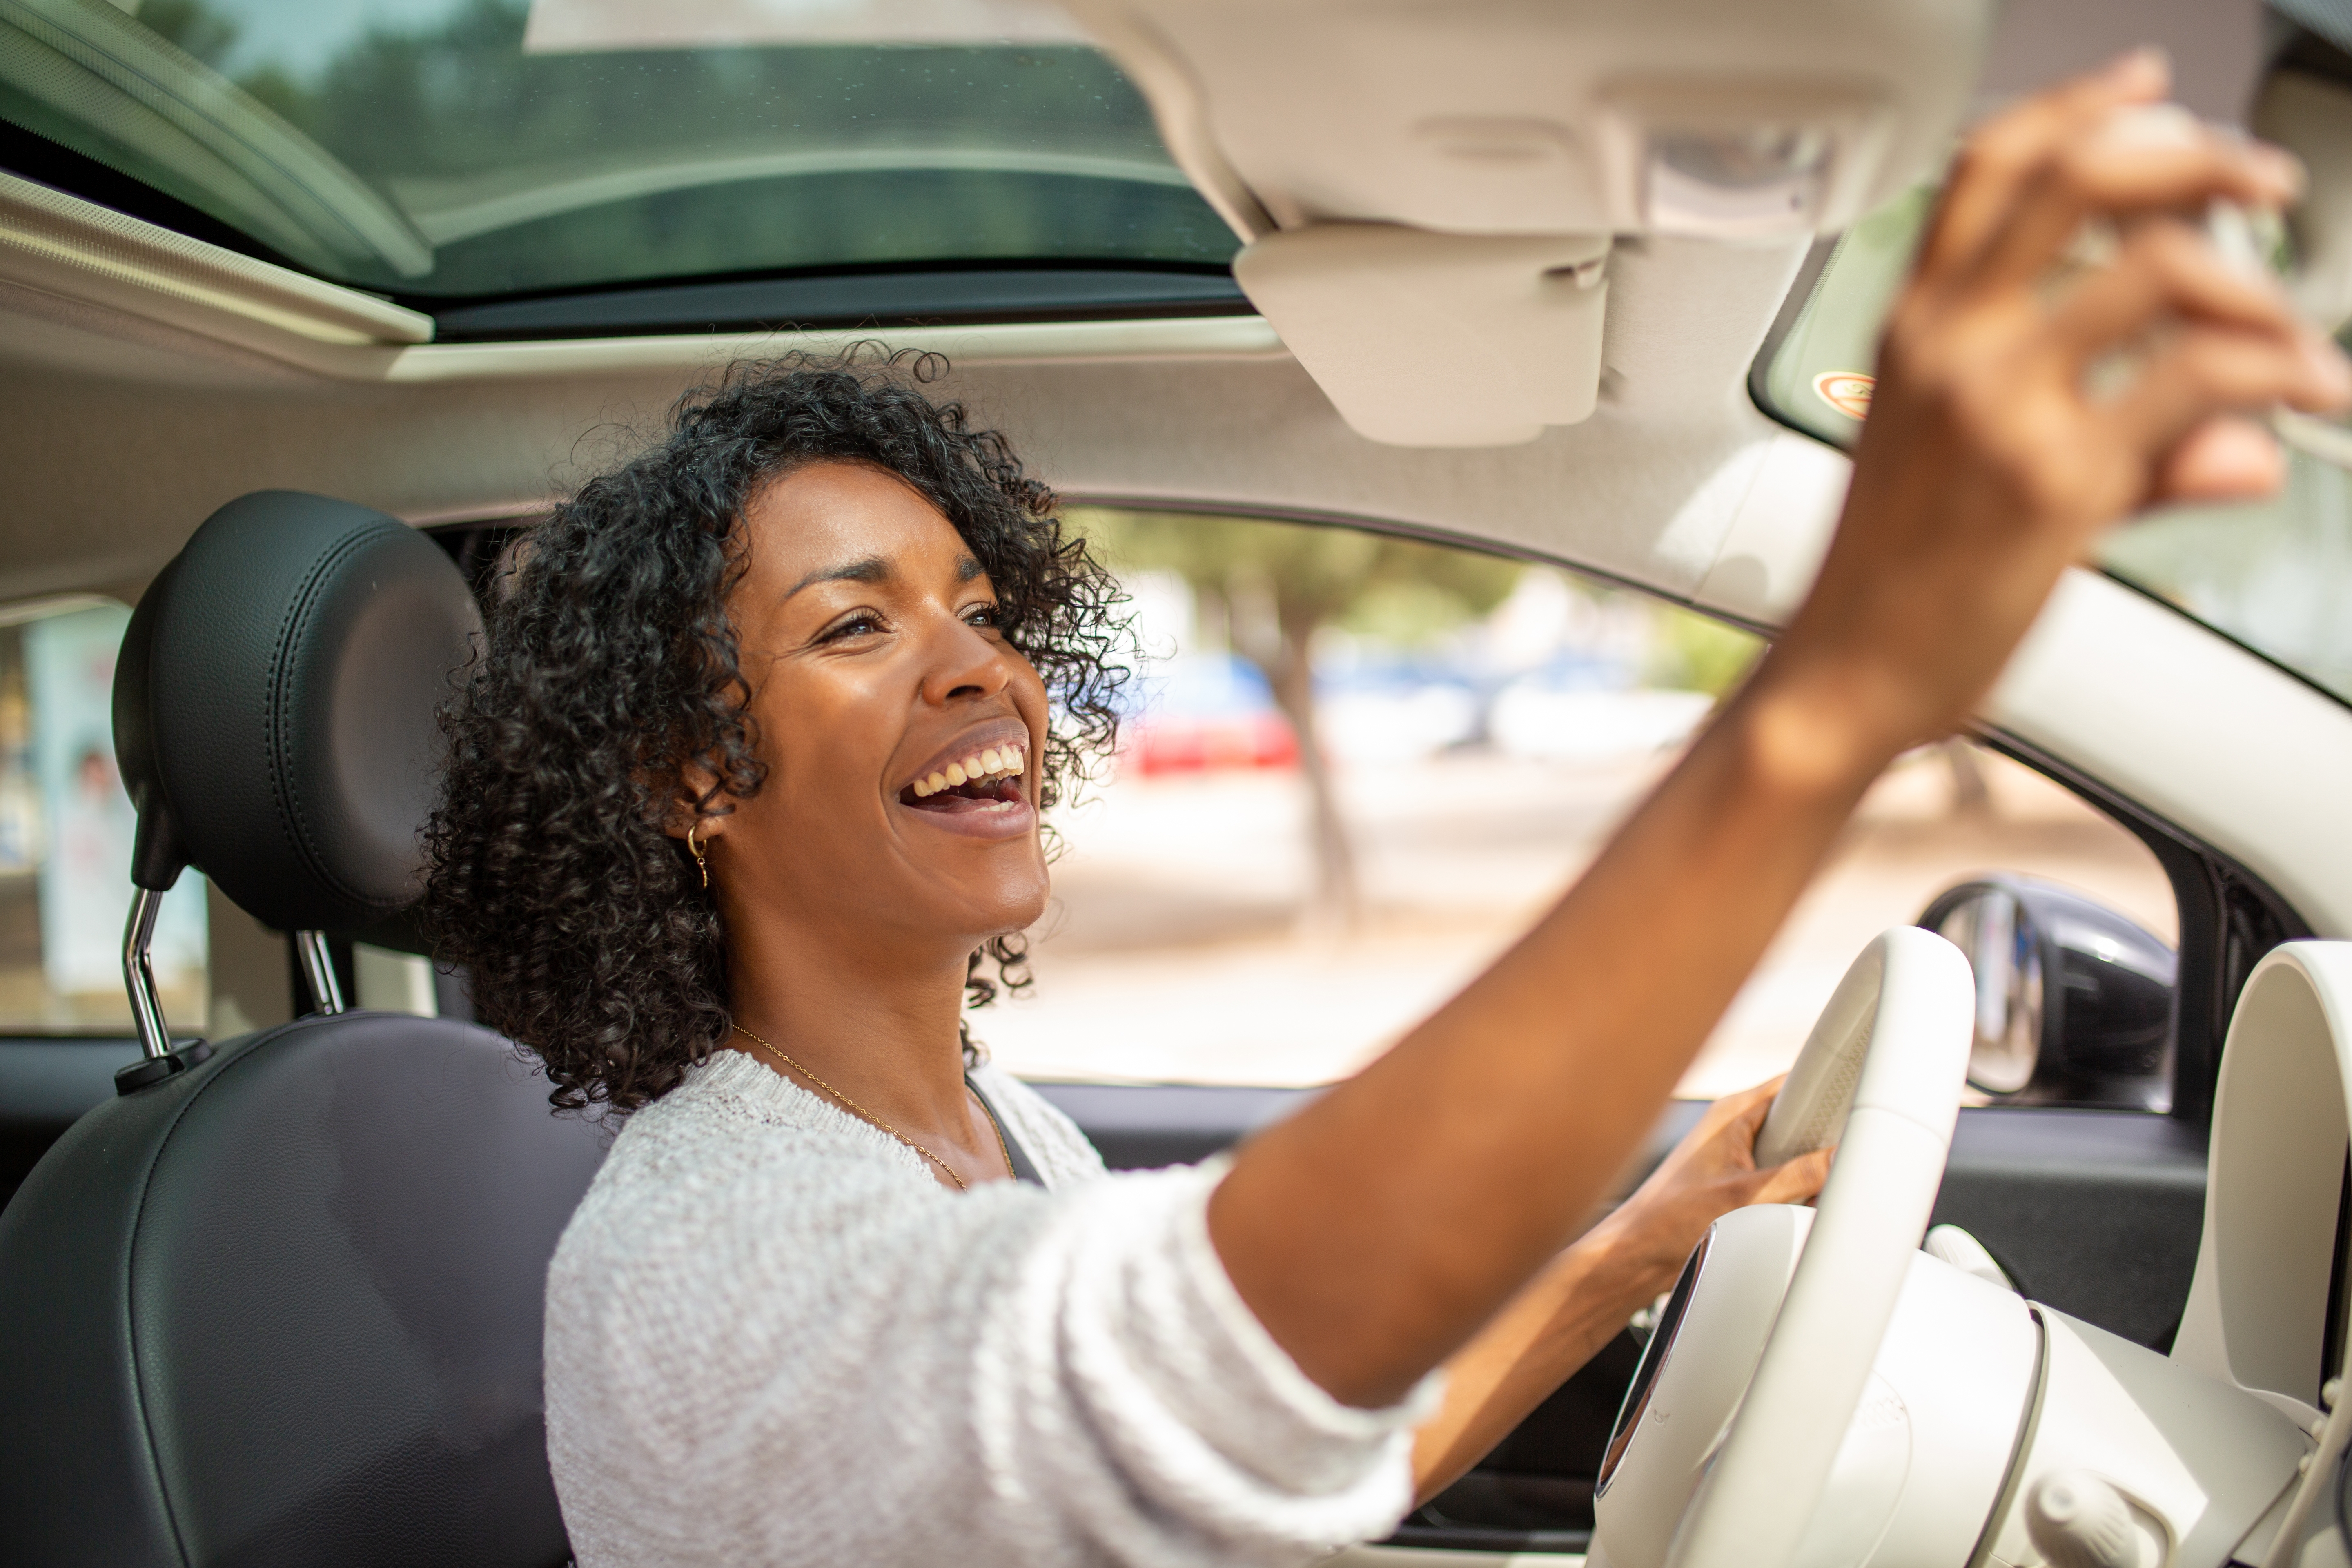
(1847, 391)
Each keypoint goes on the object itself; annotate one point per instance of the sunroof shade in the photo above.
(488, 148)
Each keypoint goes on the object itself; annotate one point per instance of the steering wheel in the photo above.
(1881, 1078)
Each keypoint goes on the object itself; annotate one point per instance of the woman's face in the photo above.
(870, 635)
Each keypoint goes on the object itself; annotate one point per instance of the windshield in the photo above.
(478, 148)
(2272, 574)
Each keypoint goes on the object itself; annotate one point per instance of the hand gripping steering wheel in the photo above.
(1881, 1078)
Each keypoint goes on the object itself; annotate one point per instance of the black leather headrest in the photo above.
(274, 707)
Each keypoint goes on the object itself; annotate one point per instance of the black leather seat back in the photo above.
(284, 1306)
(286, 1309)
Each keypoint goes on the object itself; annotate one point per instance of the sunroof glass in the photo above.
(479, 148)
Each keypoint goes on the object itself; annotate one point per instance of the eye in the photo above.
(984, 616)
(855, 623)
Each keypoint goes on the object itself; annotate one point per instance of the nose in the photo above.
(964, 663)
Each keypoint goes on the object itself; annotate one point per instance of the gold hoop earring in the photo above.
(695, 850)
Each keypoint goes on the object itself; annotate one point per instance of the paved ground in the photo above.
(1175, 952)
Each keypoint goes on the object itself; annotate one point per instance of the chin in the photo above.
(1022, 918)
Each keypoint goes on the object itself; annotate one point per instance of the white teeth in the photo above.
(990, 762)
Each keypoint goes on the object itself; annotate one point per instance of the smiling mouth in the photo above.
(989, 779)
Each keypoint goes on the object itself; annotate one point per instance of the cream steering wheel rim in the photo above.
(1881, 1077)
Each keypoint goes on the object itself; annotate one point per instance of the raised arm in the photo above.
(1373, 1234)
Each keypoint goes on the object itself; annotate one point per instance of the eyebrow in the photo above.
(869, 569)
(875, 569)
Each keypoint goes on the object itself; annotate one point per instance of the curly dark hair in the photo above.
(610, 667)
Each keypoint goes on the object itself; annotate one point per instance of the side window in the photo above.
(1354, 768)
(65, 827)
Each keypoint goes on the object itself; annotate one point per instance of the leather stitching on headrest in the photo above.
(281, 740)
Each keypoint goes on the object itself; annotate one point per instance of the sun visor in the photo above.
(1437, 339)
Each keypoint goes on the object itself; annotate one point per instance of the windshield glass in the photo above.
(478, 148)
(2272, 574)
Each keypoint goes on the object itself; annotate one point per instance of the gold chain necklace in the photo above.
(873, 1121)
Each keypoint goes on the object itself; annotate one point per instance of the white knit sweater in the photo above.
(773, 1338)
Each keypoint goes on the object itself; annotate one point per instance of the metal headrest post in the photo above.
(157, 1058)
(319, 970)
(139, 973)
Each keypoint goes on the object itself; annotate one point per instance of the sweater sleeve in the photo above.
(811, 1360)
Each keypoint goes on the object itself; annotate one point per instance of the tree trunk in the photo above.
(1336, 904)
(1971, 795)
(1276, 638)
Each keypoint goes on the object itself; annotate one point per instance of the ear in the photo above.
(697, 783)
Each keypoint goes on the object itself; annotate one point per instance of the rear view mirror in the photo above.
(2074, 1000)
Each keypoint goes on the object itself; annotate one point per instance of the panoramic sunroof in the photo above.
(475, 149)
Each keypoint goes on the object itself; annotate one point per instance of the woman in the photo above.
(747, 789)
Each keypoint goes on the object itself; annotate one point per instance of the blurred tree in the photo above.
(188, 24)
(1689, 652)
(1272, 586)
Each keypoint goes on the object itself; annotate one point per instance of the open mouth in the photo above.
(990, 777)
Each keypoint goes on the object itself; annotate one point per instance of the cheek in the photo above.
(1029, 700)
(825, 753)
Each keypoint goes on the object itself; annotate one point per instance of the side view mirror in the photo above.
(2074, 1000)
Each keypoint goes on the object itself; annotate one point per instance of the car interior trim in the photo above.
(2230, 918)
(871, 298)
(2204, 735)
(49, 238)
(1010, 342)
(57, 245)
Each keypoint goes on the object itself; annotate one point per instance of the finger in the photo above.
(2166, 268)
(2227, 457)
(2204, 371)
(1758, 1103)
(1734, 1119)
(2142, 159)
(1724, 1113)
(1754, 1102)
(2006, 151)
(1796, 1179)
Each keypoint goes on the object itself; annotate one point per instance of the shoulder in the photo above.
(733, 1157)
(1063, 1156)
